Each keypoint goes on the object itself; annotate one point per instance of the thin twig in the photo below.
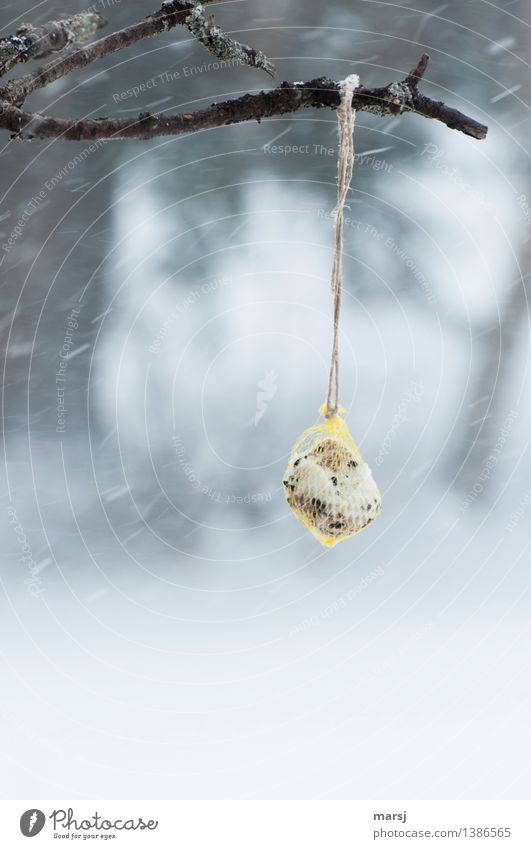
(171, 14)
(393, 99)
(208, 33)
(36, 42)
(415, 75)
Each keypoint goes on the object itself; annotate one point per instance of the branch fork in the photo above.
(57, 36)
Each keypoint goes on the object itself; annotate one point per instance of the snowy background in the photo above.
(167, 629)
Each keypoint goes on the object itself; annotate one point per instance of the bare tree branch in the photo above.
(171, 14)
(395, 99)
(31, 42)
(206, 31)
(415, 75)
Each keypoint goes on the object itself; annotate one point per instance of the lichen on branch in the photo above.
(393, 99)
(36, 42)
(214, 39)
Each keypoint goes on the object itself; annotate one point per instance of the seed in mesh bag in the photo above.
(331, 492)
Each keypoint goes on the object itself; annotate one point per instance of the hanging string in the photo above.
(346, 116)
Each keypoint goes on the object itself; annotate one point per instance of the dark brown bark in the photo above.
(394, 99)
(289, 97)
(170, 15)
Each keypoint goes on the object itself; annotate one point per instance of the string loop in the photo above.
(346, 117)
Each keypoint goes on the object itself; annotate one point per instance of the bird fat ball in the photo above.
(328, 485)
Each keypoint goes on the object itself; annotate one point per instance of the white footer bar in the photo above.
(267, 824)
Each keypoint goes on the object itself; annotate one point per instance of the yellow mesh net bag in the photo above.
(327, 484)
